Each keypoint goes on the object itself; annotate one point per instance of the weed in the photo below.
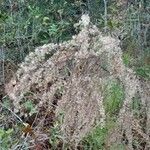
(5, 138)
(114, 98)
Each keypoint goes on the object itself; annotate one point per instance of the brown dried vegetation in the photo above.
(69, 78)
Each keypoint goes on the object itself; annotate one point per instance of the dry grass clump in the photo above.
(68, 78)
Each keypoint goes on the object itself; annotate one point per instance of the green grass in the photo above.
(127, 59)
(113, 98)
(143, 71)
(5, 138)
(95, 139)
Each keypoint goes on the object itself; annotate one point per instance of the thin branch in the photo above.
(12, 112)
(105, 14)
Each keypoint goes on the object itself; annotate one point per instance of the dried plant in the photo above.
(69, 77)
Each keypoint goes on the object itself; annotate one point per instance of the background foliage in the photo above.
(28, 24)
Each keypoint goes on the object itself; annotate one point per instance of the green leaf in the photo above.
(2, 133)
(9, 131)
